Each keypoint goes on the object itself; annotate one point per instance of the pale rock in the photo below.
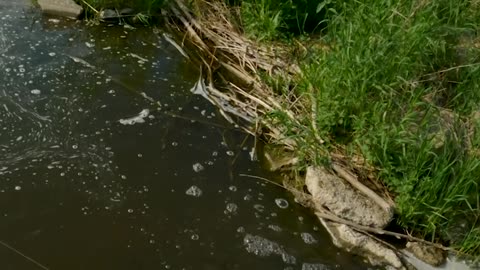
(65, 8)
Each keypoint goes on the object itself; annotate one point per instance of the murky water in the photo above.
(107, 161)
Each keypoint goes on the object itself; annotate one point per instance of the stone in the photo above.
(333, 193)
(429, 254)
(358, 243)
(109, 15)
(65, 8)
(127, 11)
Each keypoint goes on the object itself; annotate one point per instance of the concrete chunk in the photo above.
(65, 8)
(332, 192)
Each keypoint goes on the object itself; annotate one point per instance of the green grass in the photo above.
(398, 85)
(268, 20)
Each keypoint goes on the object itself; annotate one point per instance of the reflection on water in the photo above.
(108, 162)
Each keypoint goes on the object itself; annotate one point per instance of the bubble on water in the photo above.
(275, 228)
(35, 91)
(89, 45)
(194, 191)
(74, 146)
(52, 54)
(138, 119)
(247, 197)
(130, 210)
(195, 237)
(308, 238)
(18, 188)
(230, 153)
(231, 208)
(259, 207)
(197, 167)
(232, 188)
(241, 229)
(282, 203)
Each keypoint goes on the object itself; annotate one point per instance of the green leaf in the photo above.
(321, 6)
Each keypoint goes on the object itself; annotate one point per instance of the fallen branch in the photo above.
(350, 178)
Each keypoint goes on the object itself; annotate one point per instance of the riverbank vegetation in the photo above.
(390, 87)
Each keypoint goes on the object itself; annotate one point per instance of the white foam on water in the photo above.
(308, 238)
(197, 167)
(138, 119)
(194, 191)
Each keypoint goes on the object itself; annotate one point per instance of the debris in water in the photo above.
(197, 167)
(136, 119)
(174, 44)
(35, 92)
(194, 191)
(138, 57)
(282, 203)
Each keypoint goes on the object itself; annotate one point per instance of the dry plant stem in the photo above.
(364, 229)
(241, 75)
(187, 25)
(452, 68)
(24, 256)
(90, 6)
(314, 115)
(362, 188)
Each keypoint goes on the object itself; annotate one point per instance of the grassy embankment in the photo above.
(396, 83)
